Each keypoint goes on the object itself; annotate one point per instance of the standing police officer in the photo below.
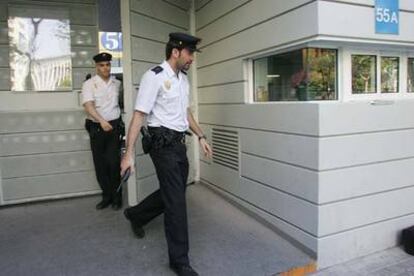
(100, 100)
(164, 98)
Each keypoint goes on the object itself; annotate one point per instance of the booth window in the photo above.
(390, 74)
(308, 74)
(410, 77)
(364, 74)
(40, 54)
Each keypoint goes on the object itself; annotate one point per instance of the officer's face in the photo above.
(103, 69)
(185, 59)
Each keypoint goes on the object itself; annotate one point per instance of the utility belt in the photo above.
(160, 137)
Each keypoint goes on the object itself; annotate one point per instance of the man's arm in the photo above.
(145, 101)
(91, 110)
(89, 105)
(199, 132)
(133, 132)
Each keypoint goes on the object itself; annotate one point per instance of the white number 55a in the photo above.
(386, 16)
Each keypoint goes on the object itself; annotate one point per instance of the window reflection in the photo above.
(390, 74)
(364, 75)
(306, 74)
(410, 77)
(40, 55)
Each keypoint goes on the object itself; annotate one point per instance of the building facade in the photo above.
(331, 168)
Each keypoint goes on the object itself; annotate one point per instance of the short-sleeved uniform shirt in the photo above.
(164, 96)
(105, 96)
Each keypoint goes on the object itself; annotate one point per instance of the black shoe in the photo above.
(117, 205)
(183, 270)
(103, 204)
(138, 230)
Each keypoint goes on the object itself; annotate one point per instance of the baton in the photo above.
(124, 179)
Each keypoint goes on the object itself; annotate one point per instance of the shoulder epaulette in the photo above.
(87, 77)
(157, 69)
(184, 72)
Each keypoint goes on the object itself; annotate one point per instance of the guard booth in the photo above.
(309, 106)
(309, 111)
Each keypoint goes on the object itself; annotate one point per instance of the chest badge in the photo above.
(167, 84)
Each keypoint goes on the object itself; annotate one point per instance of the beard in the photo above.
(182, 65)
(186, 67)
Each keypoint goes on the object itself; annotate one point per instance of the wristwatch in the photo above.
(202, 137)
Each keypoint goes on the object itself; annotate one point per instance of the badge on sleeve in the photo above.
(167, 84)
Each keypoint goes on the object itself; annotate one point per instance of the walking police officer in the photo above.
(163, 98)
(100, 100)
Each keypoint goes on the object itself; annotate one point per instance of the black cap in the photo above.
(102, 57)
(183, 40)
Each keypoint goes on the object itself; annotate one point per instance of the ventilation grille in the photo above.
(226, 148)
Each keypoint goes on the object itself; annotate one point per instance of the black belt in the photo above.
(170, 136)
(90, 125)
(112, 122)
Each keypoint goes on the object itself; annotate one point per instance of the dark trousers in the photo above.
(106, 158)
(171, 165)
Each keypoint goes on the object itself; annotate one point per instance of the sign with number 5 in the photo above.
(387, 17)
(111, 41)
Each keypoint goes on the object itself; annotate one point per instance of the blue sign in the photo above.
(111, 41)
(387, 17)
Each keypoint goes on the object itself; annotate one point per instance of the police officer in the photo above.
(100, 100)
(163, 98)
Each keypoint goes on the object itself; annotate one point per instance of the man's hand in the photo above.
(208, 152)
(106, 126)
(127, 162)
(133, 132)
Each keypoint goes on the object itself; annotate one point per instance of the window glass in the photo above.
(410, 76)
(305, 74)
(322, 73)
(364, 75)
(40, 54)
(390, 74)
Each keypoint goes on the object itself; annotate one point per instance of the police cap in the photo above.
(183, 40)
(102, 57)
